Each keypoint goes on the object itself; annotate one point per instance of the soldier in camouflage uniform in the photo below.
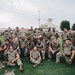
(1, 55)
(48, 34)
(2, 49)
(15, 42)
(22, 44)
(41, 48)
(18, 33)
(37, 35)
(30, 35)
(6, 43)
(67, 52)
(64, 35)
(35, 57)
(72, 36)
(13, 57)
(54, 48)
(7, 34)
(55, 33)
(30, 45)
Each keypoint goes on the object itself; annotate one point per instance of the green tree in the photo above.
(73, 26)
(65, 24)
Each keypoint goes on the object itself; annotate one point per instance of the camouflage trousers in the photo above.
(59, 55)
(34, 61)
(23, 52)
(50, 54)
(1, 65)
(12, 64)
(43, 54)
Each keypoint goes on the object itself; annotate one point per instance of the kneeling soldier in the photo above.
(54, 48)
(67, 52)
(35, 57)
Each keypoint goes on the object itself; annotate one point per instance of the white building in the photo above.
(51, 25)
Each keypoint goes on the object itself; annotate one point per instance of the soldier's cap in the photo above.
(68, 39)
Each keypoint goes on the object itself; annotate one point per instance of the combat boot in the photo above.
(20, 68)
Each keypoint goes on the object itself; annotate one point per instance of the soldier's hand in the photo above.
(53, 52)
(64, 55)
(70, 60)
(12, 61)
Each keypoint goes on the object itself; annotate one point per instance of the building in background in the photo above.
(51, 25)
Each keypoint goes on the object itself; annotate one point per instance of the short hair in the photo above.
(68, 39)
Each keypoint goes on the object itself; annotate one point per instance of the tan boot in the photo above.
(20, 68)
(34, 66)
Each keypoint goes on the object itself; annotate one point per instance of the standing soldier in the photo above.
(37, 36)
(15, 42)
(30, 45)
(55, 33)
(7, 34)
(72, 36)
(35, 57)
(30, 35)
(18, 33)
(54, 48)
(48, 33)
(41, 48)
(64, 35)
(22, 44)
(67, 52)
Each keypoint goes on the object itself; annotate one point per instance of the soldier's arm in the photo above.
(72, 56)
(39, 55)
(63, 51)
(73, 53)
(50, 47)
(62, 36)
(17, 57)
(30, 55)
(43, 47)
(58, 46)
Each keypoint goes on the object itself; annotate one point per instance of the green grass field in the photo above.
(48, 68)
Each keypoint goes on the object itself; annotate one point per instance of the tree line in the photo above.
(66, 24)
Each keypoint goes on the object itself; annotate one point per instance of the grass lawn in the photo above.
(48, 68)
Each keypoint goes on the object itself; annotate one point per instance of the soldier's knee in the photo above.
(58, 54)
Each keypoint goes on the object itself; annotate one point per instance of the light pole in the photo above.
(39, 18)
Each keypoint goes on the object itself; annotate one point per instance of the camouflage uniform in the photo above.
(36, 37)
(64, 37)
(48, 34)
(55, 47)
(23, 49)
(35, 57)
(67, 50)
(41, 48)
(72, 37)
(18, 33)
(30, 45)
(11, 56)
(16, 46)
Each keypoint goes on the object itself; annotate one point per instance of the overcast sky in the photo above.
(24, 13)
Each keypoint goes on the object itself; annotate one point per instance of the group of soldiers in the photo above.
(36, 44)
